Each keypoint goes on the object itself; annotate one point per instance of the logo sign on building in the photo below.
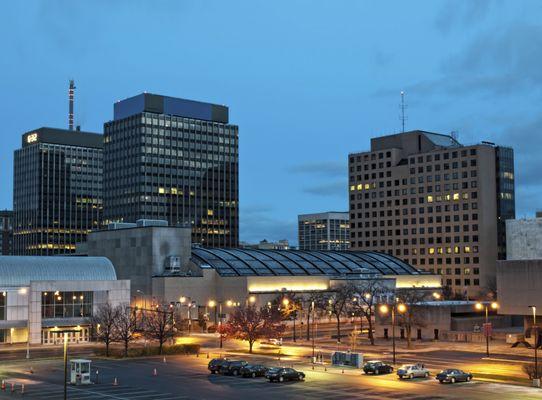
(32, 138)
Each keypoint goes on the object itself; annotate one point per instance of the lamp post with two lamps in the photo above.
(394, 308)
(487, 324)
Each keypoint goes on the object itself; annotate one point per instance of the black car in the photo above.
(377, 367)
(215, 364)
(232, 367)
(252, 371)
(279, 374)
(453, 376)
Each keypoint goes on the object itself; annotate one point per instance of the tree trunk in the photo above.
(371, 336)
(161, 345)
(107, 348)
(294, 328)
(250, 344)
(125, 348)
(338, 328)
(408, 329)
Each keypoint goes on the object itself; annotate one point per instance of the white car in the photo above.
(413, 371)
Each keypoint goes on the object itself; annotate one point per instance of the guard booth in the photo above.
(347, 359)
(80, 372)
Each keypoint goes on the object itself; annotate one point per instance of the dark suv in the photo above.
(215, 364)
(232, 367)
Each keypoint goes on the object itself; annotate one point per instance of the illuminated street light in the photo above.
(212, 303)
(252, 299)
(367, 296)
(384, 309)
(229, 303)
(285, 302)
(487, 324)
(182, 299)
(437, 295)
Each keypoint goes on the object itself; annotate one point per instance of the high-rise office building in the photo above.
(437, 204)
(176, 160)
(57, 190)
(323, 231)
(6, 232)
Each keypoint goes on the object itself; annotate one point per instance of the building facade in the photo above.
(435, 203)
(41, 295)
(6, 232)
(176, 160)
(324, 231)
(57, 190)
(282, 244)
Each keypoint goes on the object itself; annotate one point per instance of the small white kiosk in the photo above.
(80, 372)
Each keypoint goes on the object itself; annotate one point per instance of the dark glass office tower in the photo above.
(57, 190)
(176, 160)
(6, 232)
(506, 201)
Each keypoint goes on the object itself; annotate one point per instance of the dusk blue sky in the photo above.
(306, 81)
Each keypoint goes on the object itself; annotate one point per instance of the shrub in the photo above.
(529, 370)
(192, 348)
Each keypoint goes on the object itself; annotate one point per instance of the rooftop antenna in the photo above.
(403, 106)
(71, 93)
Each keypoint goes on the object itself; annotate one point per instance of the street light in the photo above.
(212, 304)
(384, 309)
(312, 309)
(65, 332)
(535, 332)
(487, 325)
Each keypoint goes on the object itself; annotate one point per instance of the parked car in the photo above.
(453, 376)
(413, 371)
(252, 371)
(232, 367)
(271, 343)
(377, 367)
(215, 364)
(279, 374)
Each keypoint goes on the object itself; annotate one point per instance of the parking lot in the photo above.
(186, 377)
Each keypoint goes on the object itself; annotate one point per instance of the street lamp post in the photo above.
(535, 332)
(312, 309)
(65, 333)
(480, 306)
(384, 309)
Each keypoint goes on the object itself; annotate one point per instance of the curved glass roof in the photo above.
(250, 262)
(20, 270)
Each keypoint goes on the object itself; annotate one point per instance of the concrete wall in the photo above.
(524, 239)
(141, 252)
(519, 284)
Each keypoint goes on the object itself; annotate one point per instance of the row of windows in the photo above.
(422, 251)
(420, 159)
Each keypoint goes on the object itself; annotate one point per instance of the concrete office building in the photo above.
(6, 232)
(324, 231)
(519, 277)
(41, 295)
(57, 190)
(176, 160)
(435, 203)
(165, 268)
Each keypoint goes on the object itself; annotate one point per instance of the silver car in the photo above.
(413, 371)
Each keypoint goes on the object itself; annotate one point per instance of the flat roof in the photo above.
(62, 137)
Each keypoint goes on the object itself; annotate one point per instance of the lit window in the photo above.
(465, 196)
(431, 250)
(456, 196)
(352, 188)
(429, 199)
(467, 249)
(456, 249)
(360, 186)
(161, 190)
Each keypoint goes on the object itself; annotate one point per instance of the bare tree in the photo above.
(159, 325)
(414, 315)
(337, 304)
(125, 325)
(251, 324)
(289, 306)
(367, 293)
(314, 297)
(104, 320)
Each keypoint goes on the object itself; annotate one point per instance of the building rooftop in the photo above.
(21, 270)
(252, 262)
(63, 137)
(155, 103)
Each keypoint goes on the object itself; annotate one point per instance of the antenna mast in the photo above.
(71, 93)
(403, 106)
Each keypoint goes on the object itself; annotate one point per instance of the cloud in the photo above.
(455, 14)
(329, 189)
(327, 168)
(257, 223)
